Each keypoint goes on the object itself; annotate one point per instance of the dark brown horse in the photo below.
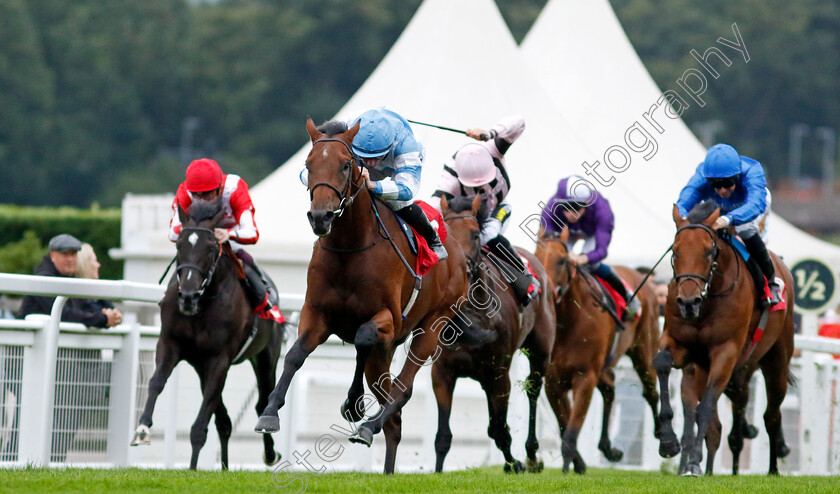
(358, 288)
(711, 317)
(206, 319)
(493, 306)
(585, 341)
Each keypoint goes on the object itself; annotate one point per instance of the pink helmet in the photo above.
(474, 165)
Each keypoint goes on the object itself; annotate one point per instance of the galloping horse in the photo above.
(711, 317)
(358, 288)
(489, 364)
(587, 348)
(206, 319)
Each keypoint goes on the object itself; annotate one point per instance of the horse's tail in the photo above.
(791, 379)
(474, 336)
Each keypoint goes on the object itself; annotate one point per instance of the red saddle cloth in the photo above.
(620, 304)
(264, 311)
(426, 257)
(782, 302)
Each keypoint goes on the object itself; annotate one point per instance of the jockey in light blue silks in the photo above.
(738, 184)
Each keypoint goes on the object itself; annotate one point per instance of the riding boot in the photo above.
(634, 305)
(416, 218)
(261, 292)
(758, 251)
(524, 280)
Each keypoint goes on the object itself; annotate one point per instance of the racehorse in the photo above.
(496, 309)
(711, 317)
(587, 347)
(206, 319)
(359, 285)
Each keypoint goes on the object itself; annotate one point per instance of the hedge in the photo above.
(26, 231)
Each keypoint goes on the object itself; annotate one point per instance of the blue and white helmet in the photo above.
(376, 134)
(722, 161)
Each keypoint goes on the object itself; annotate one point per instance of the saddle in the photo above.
(426, 258)
(760, 281)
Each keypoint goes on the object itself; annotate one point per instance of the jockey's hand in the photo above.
(478, 134)
(222, 235)
(720, 223)
(368, 182)
(579, 258)
(114, 317)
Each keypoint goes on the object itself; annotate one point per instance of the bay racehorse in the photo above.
(206, 320)
(711, 316)
(359, 284)
(495, 307)
(588, 346)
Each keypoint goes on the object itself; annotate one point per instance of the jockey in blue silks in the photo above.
(738, 184)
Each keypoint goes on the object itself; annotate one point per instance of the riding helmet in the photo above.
(203, 175)
(376, 134)
(474, 165)
(722, 161)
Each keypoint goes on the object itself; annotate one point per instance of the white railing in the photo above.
(811, 414)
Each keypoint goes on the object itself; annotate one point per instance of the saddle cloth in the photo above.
(426, 257)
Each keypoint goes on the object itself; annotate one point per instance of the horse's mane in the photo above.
(204, 210)
(333, 127)
(460, 203)
(702, 211)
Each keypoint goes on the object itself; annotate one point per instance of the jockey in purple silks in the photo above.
(587, 214)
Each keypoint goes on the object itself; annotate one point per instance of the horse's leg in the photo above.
(353, 408)
(642, 358)
(606, 385)
(166, 358)
(265, 365)
(443, 382)
(556, 390)
(497, 388)
(538, 353)
(689, 402)
(212, 374)
(713, 434)
(378, 375)
(669, 446)
(723, 358)
(738, 392)
(311, 333)
(583, 385)
(224, 426)
(774, 367)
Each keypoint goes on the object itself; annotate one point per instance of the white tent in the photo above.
(582, 57)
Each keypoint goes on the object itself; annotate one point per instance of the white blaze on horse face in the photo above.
(325, 153)
(193, 239)
(189, 275)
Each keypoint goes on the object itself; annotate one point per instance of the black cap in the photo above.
(64, 243)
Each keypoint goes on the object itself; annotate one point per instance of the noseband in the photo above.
(208, 275)
(342, 194)
(707, 279)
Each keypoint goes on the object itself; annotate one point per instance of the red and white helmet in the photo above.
(203, 175)
(474, 165)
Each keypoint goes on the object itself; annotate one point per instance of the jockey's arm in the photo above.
(174, 223)
(447, 185)
(492, 227)
(691, 193)
(405, 182)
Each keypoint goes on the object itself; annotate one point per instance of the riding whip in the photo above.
(483, 137)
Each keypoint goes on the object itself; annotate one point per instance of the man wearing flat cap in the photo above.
(61, 261)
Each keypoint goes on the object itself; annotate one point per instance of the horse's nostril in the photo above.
(697, 300)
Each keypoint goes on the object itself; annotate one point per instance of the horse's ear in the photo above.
(444, 204)
(314, 134)
(220, 215)
(352, 131)
(712, 218)
(476, 205)
(182, 215)
(678, 220)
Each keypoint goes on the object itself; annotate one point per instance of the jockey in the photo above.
(206, 182)
(386, 146)
(479, 169)
(738, 184)
(588, 215)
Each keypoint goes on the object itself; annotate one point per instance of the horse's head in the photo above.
(333, 173)
(463, 217)
(554, 255)
(695, 257)
(198, 252)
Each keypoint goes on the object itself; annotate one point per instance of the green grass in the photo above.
(482, 480)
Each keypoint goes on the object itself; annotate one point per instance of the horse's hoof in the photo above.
(750, 431)
(534, 466)
(614, 454)
(142, 436)
(272, 462)
(362, 436)
(350, 412)
(515, 467)
(669, 448)
(784, 450)
(691, 471)
(267, 424)
(579, 465)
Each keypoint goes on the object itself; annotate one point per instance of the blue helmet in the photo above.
(722, 161)
(376, 135)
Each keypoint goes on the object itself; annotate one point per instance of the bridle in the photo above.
(346, 200)
(472, 264)
(568, 264)
(707, 279)
(208, 274)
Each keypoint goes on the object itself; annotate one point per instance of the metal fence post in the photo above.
(123, 394)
